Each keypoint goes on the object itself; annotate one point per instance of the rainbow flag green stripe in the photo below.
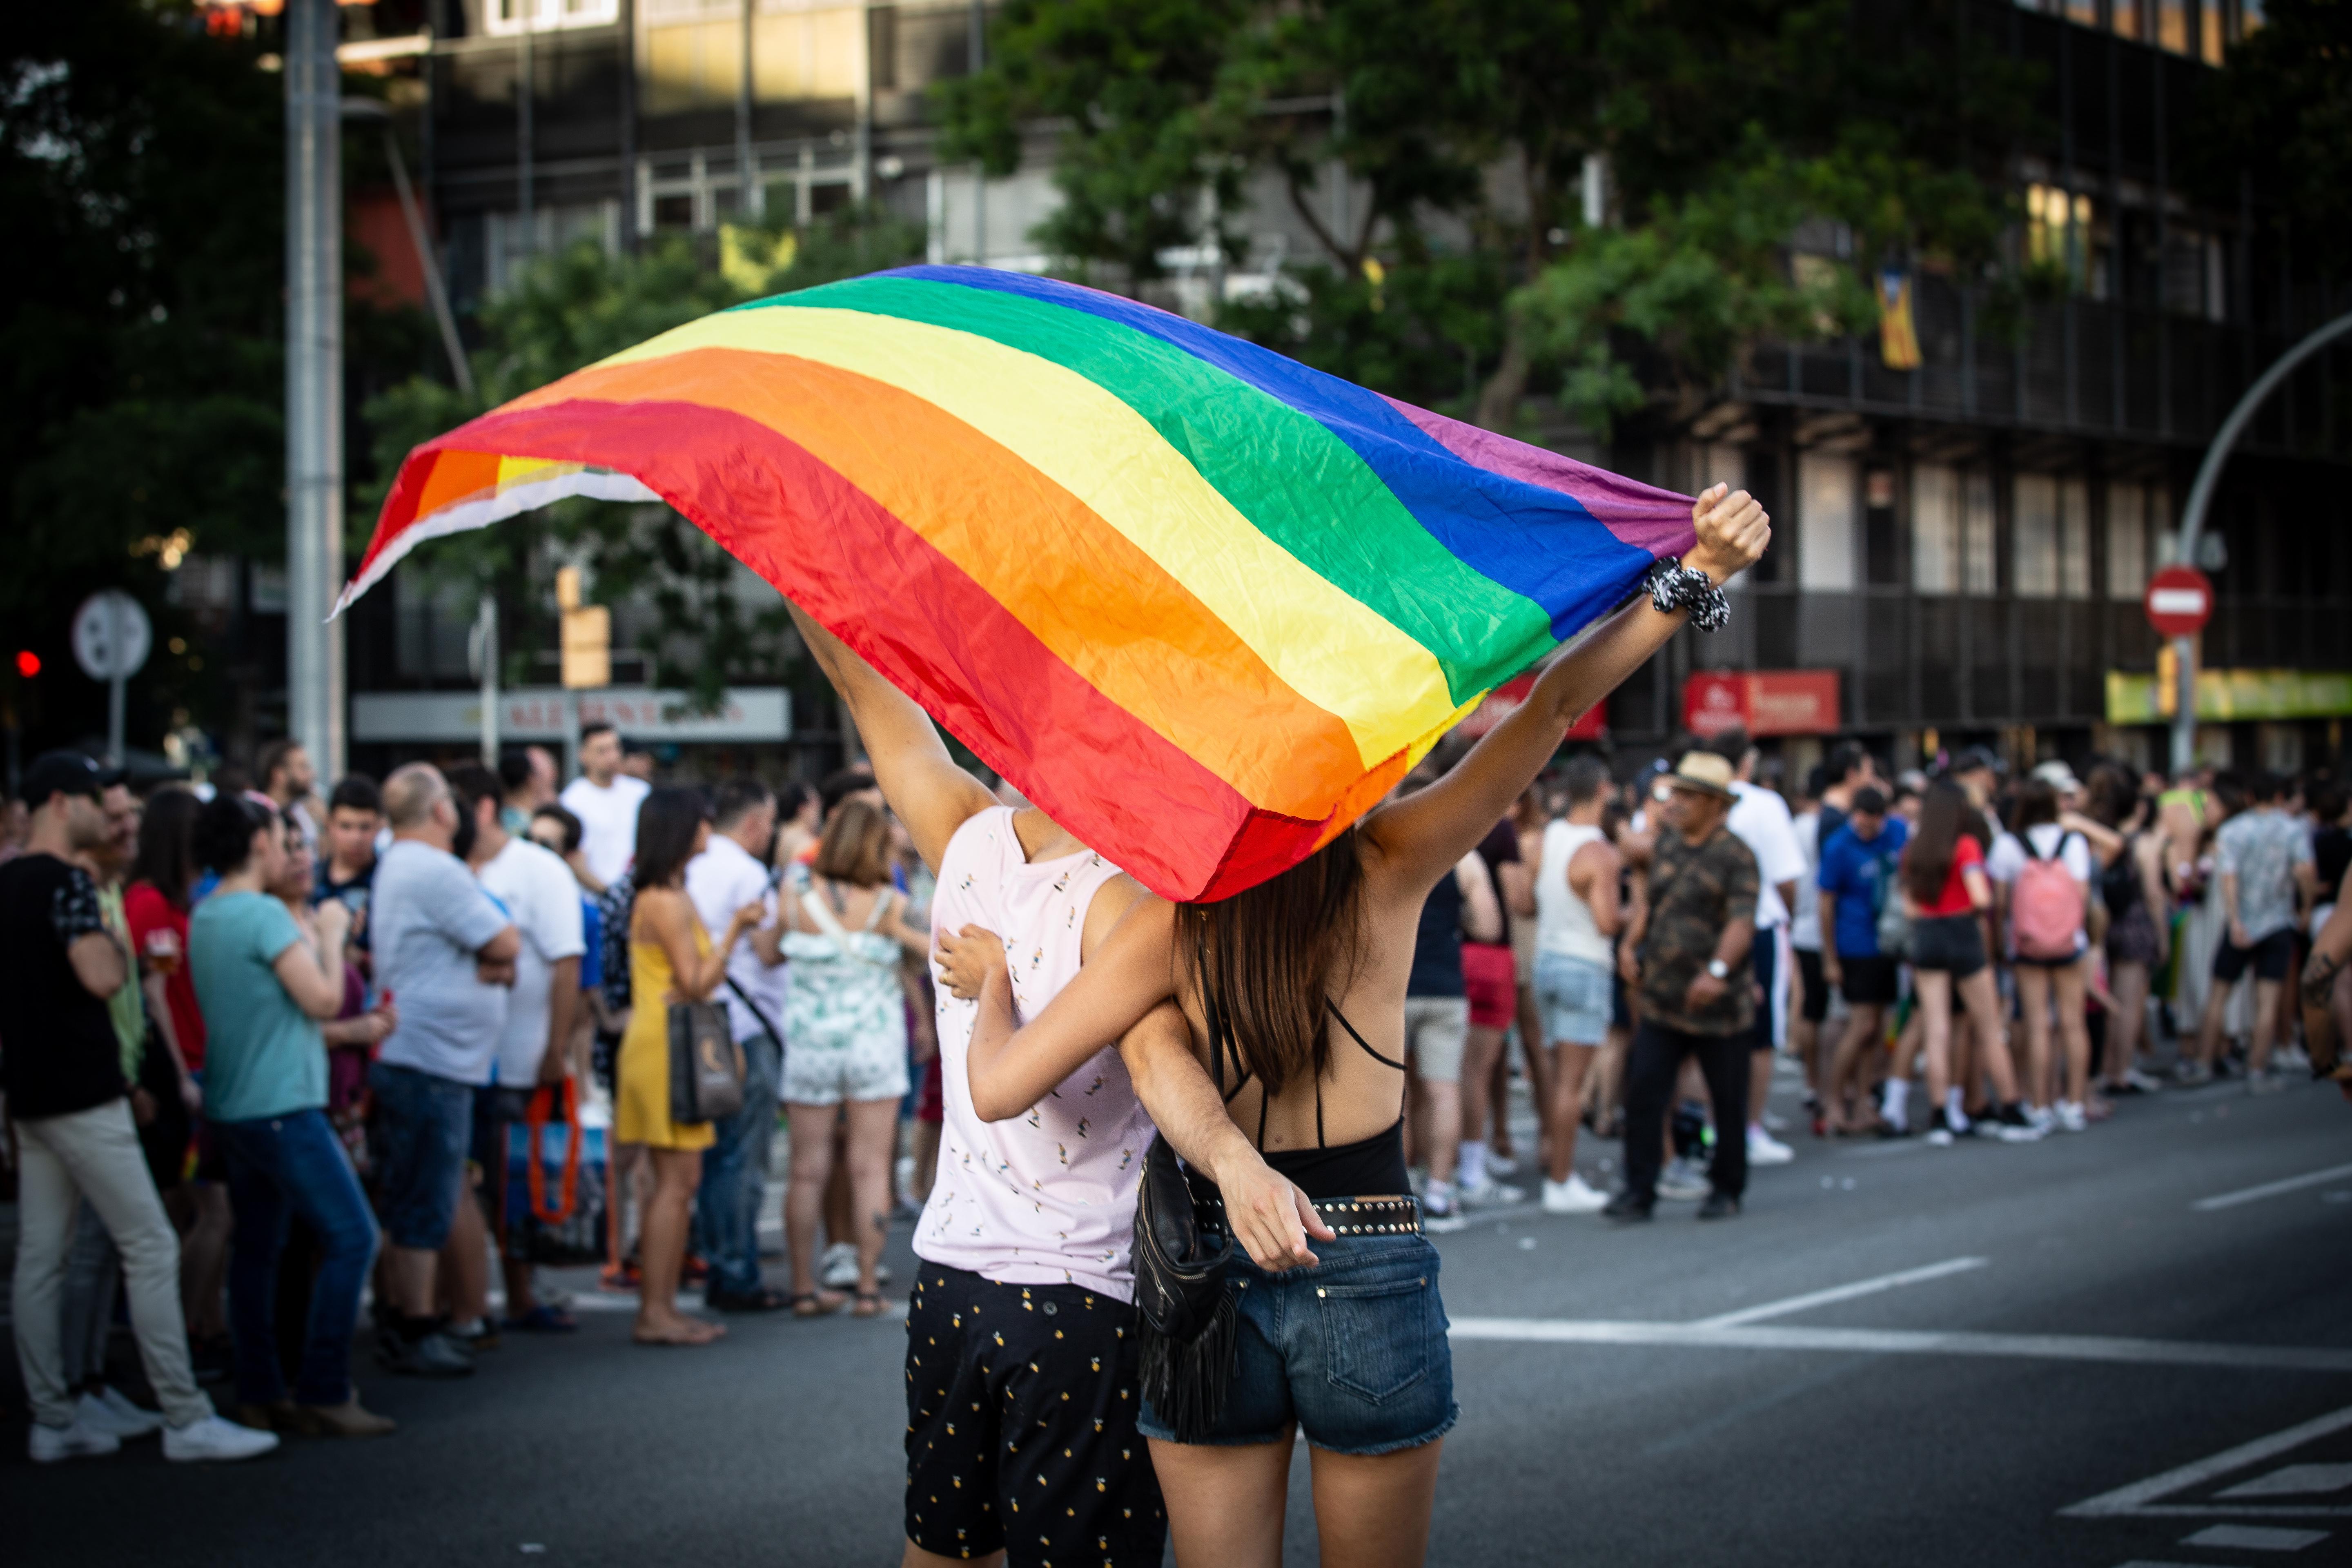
(1288, 474)
(1202, 603)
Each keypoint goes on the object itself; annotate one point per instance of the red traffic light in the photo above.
(28, 663)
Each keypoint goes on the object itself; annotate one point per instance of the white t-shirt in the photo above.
(2007, 861)
(718, 881)
(539, 894)
(1759, 819)
(608, 821)
(1805, 924)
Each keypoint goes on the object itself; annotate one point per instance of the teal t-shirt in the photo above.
(263, 1055)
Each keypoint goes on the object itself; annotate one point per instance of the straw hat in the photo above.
(1702, 773)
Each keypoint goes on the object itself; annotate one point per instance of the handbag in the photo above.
(1185, 1317)
(706, 1066)
(556, 1179)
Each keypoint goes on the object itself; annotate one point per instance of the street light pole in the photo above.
(2192, 520)
(314, 383)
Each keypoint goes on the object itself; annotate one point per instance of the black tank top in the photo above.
(1370, 1167)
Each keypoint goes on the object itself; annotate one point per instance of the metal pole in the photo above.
(115, 682)
(486, 650)
(2200, 495)
(979, 52)
(751, 196)
(314, 382)
(359, 110)
(525, 75)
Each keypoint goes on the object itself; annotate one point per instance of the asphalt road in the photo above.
(2083, 1360)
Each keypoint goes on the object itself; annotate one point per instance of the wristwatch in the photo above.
(1718, 969)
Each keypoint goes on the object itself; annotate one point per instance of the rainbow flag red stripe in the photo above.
(1202, 604)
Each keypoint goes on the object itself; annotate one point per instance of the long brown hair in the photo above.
(1944, 815)
(1268, 961)
(855, 847)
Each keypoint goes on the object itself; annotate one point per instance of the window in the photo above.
(2128, 18)
(2058, 236)
(1979, 563)
(1825, 521)
(2075, 539)
(508, 17)
(2034, 568)
(2127, 541)
(1934, 528)
(2172, 25)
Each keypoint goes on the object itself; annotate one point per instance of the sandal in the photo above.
(869, 1305)
(696, 1333)
(815, 1303)
(543, 1319)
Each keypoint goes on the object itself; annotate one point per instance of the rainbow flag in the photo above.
(1202, 604)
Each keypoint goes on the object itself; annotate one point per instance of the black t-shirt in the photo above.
(1437, 946)
(58, 1053)
(2331, 855)
(1498, 849)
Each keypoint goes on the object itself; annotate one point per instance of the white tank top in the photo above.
(1049, 1197)
(1564, 921)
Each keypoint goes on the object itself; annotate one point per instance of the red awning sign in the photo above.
(1761, 702)
(2179, 601)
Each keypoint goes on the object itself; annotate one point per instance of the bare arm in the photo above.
(1831, 969)
(1271, 1216)
(503, 948)
(694, 975)
(1518, 888)
(562, 1019)
(1592, 877)
(2150, 851)
(311, 976)
(1133, 971)
(1417, 837)
(931, 795)
(99, 962)
(2105, 842)
(1481, 914)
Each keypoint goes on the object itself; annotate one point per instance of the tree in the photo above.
(571, 309)
(2280, 112)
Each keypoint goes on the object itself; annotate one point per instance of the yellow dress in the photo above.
(642, 1113)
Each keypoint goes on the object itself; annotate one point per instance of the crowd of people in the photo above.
(282, 1060)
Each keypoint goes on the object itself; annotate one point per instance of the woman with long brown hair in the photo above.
(671, 959)
(1295, 994)
(1945, 894)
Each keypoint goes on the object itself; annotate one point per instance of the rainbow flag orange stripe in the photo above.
(1201, 602)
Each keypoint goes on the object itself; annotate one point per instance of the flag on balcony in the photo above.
(1203, 605)
(1898, 340)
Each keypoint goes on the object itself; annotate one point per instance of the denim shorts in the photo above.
(425, 1128)
(1573, 997)
(1352, 1349)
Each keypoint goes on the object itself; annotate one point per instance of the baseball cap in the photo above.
(54, 772)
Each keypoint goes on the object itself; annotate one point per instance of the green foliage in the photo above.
(2281, 108)
(566, 312)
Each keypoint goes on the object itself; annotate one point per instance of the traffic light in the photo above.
(587, 635)
(28, 663)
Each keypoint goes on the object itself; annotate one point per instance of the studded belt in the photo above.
(1347, 1216)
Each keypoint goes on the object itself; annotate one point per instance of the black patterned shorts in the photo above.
(1021, 1407)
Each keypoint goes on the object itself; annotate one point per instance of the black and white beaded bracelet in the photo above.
(1675, 586)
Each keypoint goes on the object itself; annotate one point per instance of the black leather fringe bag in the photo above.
(1185, 1316)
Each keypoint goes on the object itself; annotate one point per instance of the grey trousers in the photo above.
(92, 1270)
(95, 1155)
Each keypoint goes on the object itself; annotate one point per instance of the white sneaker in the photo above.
(837, 1270)
(1445, 1221)
(1501, 1164)
(47, 1445)
(108, 1411)
(2071, 1118)
(1491, 1194)
(1573, 1197)
(2044, 1120)
(2293, 1057)
(1683, 1178)
(214, 1438)
(1763, 1149)
(2144, 1082)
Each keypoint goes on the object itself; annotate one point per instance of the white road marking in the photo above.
(2295, 1481)
(1843, 1292)
(2139, 1497)
(1907, 1341)
(2271, 1189)
(2254, 1538)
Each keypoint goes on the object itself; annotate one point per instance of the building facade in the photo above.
(1960, 547)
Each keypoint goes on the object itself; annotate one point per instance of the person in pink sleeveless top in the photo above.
(1021, 1363)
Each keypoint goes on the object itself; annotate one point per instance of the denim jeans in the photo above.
(735, 1176)
(281, 1166)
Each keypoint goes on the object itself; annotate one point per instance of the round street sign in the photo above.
(112, 635)
(2179, 601)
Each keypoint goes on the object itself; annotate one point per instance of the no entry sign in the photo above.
(2179, 601)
